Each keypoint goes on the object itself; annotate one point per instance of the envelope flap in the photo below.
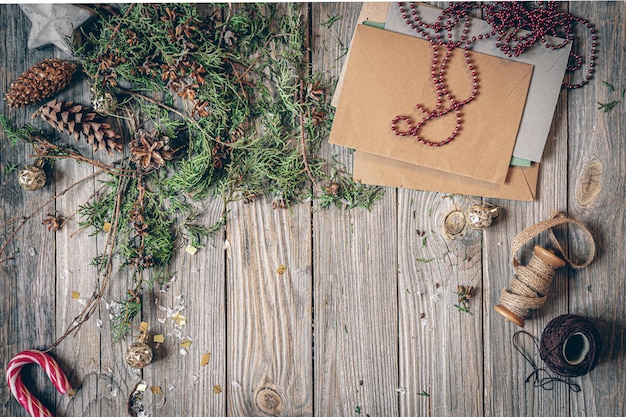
(521, 183)
(531, 176)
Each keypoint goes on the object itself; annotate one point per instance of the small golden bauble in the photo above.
(139, 354)
(31, 178)
(480, 216)
(103, 102)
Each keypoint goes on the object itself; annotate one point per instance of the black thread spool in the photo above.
(570, 345)
(530, 286)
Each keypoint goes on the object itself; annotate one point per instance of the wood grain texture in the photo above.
(198, 284)
(598, 291)
(440, 347)
(355, 261)
(269, 297)
(30, 275)
(269, 313)
(362, 320)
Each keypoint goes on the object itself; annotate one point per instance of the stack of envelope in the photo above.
(497, 152)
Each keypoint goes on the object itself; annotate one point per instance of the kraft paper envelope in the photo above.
(373, 12)
(545, 85)
(389, 73)
(521, 182)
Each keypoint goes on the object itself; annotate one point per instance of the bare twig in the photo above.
(46, 145)
(256, 58)
(96, 297)
(41, 207)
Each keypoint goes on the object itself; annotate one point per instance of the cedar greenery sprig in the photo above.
(607, 107)
(237, 97)
(464, 294)
(233, 93)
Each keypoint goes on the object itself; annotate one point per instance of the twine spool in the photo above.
(570, 345)
(531, 283)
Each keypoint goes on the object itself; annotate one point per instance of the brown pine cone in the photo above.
(39, 82)
(77, 120)
(149, 150)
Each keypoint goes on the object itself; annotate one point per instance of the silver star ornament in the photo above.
(54, 24)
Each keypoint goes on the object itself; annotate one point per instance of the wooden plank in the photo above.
(597, 197)
(269, 314)
(199, 286)
(355, 264)
(441, 346)
(81, 353)
(31, 274)
(441, 356)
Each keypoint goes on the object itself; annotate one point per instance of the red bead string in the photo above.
(516, 27)
(438, 73)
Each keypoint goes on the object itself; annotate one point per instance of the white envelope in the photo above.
(545, 84)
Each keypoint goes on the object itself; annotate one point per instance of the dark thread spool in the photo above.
(530, 286)
(570, 345)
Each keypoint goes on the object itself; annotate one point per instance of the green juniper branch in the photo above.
(234, 95)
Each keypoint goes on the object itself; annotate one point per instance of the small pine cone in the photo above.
(39, 82)
(149, 150)
(77, 120)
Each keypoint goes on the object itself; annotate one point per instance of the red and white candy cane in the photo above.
(19, 391)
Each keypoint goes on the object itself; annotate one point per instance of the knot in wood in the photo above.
(589, 184)
(269, 401)
(454, 224)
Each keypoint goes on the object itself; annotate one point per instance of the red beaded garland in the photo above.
(438, 70)
(507, 20)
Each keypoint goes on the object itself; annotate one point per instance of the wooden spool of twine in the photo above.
(531, 283)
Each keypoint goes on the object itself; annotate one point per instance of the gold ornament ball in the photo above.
(138, 355)
(103, 102)
(31, 178)
(480, 216)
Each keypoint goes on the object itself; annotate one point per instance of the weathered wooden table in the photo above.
(356, 325)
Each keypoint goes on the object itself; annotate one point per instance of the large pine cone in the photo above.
(39, 82)
(77, 120)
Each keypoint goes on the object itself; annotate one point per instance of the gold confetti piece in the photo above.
(141, 387)
(217, 389)
(156, 389)
(191, 250)
(179, 319)
(281, 269)
(185, 344)
(158, 338)
(205, 359)
(143, 327)
(106, 227)
(75, 295)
